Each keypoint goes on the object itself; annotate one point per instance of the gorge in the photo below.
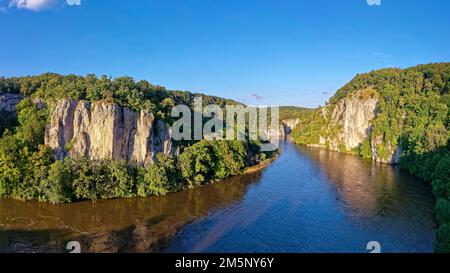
(64, 144)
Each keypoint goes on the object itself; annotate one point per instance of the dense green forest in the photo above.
(413, 112)
(28, 170)
(293, 112)
(51, 87)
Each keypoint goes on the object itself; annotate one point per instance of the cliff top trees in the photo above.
(124, 91)
(28, 170)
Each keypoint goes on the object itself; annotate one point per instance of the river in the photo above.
(308, 200)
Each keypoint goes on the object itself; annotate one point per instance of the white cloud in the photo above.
(40, 5)
(73, 2)
(374, 2)
(34, 5)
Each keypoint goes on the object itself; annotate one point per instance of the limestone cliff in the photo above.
(9, 101)
(347, 124)
(101, 130)
(276, 133)
(283, 130)
(289, 125)
(351, 118)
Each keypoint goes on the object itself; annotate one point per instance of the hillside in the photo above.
(74, 138)
(293, 112)
(397, 116)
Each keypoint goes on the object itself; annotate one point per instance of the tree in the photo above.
(160, 178)
(57, 187)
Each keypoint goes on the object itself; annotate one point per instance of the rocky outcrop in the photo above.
(102, 130)
(8, 102)
(289, 125)
(348, 123)
(276, 133)
(352, 117)
(283, 130)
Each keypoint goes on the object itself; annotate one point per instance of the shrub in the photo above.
(83, 183)
(57, 185)
(443, 211)
(160, 178)
(442, 243)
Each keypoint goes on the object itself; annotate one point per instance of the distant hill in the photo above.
(292, 112)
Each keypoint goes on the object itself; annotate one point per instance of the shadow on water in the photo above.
(313, 200)
(308, 200)
(123, 225)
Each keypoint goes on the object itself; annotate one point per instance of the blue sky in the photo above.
(256, 51)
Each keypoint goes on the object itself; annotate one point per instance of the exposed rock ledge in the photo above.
(8, 102)
(101, 130)
(290, 124)
(350, 121)
(284, 129)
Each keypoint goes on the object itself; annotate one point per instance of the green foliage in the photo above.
(125, 91)
(28, 170)
(342, 148)
(56, 187)
(32, 122)
(442, 243)
(160, 178)
(292, 112)
(209, 160)
(101, 179)
(443, 211)
(84, 181)
(413, 112)
(8, 120)
(366, 149)
(311, 127)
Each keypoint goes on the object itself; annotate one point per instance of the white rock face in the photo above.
(276, 133)
(289, 125)
(353, 116)
(8, 102)
(103, 130)
(351, 121)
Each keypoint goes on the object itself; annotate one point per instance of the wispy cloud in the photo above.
(74, 2)
(37, 5)
(33, 5)
(374, 2)
(251, 98)
(257, 97)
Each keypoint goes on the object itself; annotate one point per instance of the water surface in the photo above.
(308, 200)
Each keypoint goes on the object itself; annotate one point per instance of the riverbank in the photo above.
(261, 165)
(309, 200)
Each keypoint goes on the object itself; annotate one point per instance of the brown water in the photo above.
(308, 200)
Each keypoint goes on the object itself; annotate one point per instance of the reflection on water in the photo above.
(309, 200)
(313, 200)
(131, 225)
(371, 189)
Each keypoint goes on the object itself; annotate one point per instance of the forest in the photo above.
(413, 113)
(28, 170)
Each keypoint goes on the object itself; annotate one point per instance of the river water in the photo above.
(308, 200)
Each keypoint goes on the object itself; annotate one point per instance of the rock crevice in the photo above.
(349, 124)
(102, 130)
